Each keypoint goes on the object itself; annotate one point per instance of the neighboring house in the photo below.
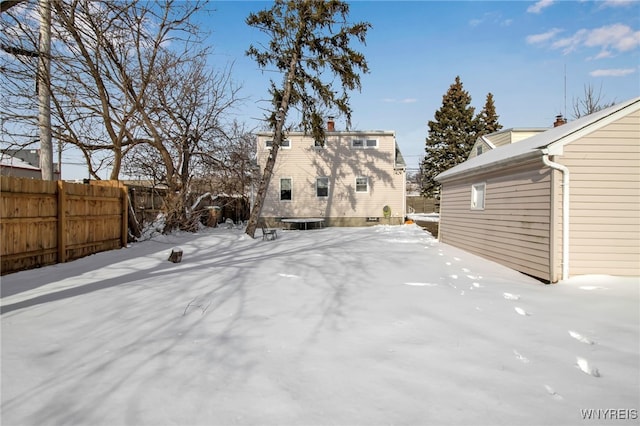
(348, 182)
(564, 202)
(503, 137)
(15, 167)
(23, 163)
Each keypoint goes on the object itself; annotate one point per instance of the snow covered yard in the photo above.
(338, 326)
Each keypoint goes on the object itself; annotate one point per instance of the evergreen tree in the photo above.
(310, 45)
(488, 119)
(451, 136)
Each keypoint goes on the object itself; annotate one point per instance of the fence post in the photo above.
(124, 227)
(62, 223)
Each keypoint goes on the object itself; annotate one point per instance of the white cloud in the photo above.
(491, 18)
(541, 38)
(618, 3)
(616, 72)
(537, 8)
(617, 36)
(400, 101)
(603, 54)
(609, 38)
(569, 44)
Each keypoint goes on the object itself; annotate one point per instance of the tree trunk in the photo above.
(281, 115)
(254, 217)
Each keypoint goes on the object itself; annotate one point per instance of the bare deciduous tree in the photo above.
(590, 102)
(184, 118)
(103, 59)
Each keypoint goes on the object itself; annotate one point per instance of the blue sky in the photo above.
(517, 50)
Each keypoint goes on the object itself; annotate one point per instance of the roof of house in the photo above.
(514, 130)
(550, 142)
(10, 161)
(399, 161)
(268, 133)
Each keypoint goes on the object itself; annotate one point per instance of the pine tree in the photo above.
(310, 46)
(488, 119)
(451, 136)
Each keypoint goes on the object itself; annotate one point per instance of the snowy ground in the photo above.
(338, 326)
(424, 217)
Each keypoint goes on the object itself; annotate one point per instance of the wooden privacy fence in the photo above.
(45, 222)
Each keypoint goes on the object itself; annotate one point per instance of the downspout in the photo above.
(404, 195)
(565, 210)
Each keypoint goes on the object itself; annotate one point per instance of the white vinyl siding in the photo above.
(605, 199)
(514, 228)
(521, 226)
(341, 164)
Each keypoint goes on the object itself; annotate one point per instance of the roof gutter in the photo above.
(565, 210)
(481, 169)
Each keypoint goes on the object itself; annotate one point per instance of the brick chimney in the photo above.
(331, 125)
(560, 120)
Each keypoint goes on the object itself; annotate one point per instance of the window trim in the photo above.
(364, 143)
(367, 183)
(478, 189)
(269, 143)
(290, 189)
(317, 187)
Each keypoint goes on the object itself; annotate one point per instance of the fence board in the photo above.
(43, 222)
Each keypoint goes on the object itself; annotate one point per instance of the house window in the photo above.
(286, 144)
(322, 187)
(362, 184)
(320, 144)
(364, 143)
(285, 189)
(478, 149)
(478, 191)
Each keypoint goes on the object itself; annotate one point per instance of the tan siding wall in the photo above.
(512, 136)
(513, 229)
(500, 139)
(303, 163)
(605, 199)
(474, 149)
(521, 135)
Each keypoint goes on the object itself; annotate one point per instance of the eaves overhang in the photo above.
(552, 142)
(484, 169)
